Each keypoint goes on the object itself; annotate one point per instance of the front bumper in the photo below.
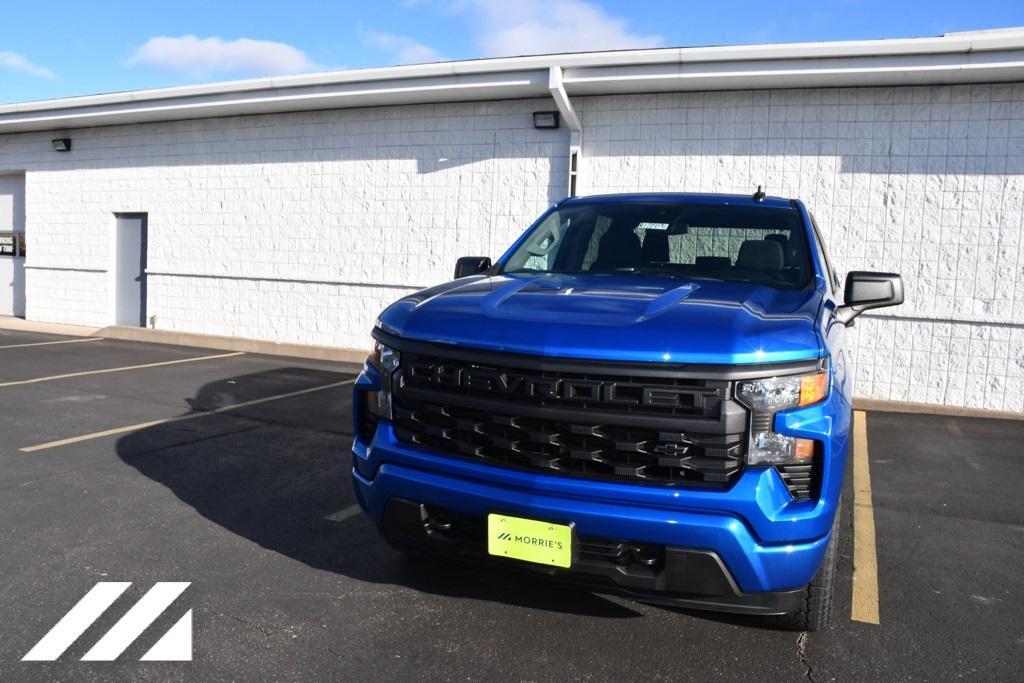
(766, 542)
(646, 572)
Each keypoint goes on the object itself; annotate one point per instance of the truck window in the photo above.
(765, 245)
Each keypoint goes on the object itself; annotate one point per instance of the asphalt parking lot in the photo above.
(230, 471)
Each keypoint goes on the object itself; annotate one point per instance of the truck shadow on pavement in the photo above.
(272, 472)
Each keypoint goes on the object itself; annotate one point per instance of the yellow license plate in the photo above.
(529, 540)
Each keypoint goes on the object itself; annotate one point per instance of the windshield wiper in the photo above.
(633, 270)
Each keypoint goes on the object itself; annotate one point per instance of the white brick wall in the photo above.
(293, 227)
(302, 312)
(924, 181)
(301, 227)
(68, 296)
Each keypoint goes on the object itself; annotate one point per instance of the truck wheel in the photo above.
(817, 603)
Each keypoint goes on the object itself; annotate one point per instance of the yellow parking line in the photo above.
(121, 369)
(865, 560)
(180, 418)
(62, 341)
(344, 514)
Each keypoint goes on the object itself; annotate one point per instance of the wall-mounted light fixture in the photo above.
(545, 119)
(61, 144)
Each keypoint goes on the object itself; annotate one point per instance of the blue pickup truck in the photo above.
(647, 394)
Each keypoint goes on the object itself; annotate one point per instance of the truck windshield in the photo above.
(761, 244)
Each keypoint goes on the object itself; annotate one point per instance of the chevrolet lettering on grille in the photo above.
(501, 382)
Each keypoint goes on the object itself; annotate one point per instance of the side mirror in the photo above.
(865, 291)
(471, 265)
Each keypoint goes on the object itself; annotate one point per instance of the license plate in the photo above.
(529, 540)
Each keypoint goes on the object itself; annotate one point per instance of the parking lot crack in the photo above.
(801, 651)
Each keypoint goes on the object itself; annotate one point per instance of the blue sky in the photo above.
(58, 49)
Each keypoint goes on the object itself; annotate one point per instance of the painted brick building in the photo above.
(294, 209)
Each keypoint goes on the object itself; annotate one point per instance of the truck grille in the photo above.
(573, 421)
(556, 388)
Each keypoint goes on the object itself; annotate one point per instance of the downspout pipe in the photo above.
(572, 121)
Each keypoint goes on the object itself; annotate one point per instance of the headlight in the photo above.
(783, 393)
(765, 397)
(386, 360)
(769, 448)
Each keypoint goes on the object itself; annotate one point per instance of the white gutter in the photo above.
(983, 56)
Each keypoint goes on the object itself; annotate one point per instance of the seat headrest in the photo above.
(763, 255)
(655, 247)
(790, 255)
(618, 248)
(712, 262)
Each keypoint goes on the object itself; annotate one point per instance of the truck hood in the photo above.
(614, 317)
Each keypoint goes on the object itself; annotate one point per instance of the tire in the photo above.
(816, 611)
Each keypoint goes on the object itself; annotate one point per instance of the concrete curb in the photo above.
(20, 325)
(208, 341)
(880, 406)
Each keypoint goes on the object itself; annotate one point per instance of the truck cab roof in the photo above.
(684, 197)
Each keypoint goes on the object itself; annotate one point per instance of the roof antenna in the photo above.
(759, 195)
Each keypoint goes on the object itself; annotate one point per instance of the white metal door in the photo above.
(130, 270)
(12, 257)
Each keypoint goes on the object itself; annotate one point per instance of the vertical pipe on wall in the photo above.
(568, 114)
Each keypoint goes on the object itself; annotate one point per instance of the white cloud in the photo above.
(520, 27)
(12, 61)
(194, 56)
(403, 49)
(544, 26)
